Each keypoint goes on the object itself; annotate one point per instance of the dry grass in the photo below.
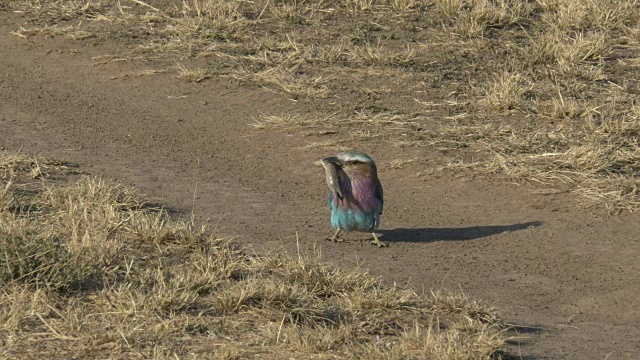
(504, 93)
(292, 121)
(400, 163)
(89, 271)
(324, 145)
(285, 80)
(194, 75)
(473, 18)
(507, 82)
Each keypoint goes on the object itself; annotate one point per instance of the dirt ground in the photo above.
(567, 278)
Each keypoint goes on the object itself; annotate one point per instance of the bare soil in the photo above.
(567, 278)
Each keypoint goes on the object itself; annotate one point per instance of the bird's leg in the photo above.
(336, 236)
(377, 241)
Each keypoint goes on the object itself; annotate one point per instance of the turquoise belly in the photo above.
(354, 220)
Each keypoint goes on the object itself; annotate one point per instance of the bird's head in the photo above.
(351, 162)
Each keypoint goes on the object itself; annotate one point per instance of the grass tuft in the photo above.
(192, 75)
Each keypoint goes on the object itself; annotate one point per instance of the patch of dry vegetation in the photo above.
(194, 75)
(542, 91)
(87, 270)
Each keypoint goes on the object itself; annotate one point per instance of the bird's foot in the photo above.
(377, 241)
(336, 236)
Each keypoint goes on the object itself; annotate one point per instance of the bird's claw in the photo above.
(337, 239)
(379, 243)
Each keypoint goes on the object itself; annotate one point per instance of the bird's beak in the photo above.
(331, 159)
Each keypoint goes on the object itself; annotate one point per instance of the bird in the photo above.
(355, 194)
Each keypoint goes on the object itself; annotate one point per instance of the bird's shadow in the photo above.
(451, 234)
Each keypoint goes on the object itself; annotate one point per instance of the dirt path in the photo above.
(569, 276)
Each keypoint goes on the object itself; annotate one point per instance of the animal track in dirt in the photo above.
(568, 277)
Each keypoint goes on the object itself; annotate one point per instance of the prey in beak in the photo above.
(331, 167)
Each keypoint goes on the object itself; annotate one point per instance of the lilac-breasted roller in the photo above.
(355, 196)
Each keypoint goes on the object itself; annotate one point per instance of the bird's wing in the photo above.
(378, 194)
(333, 179)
